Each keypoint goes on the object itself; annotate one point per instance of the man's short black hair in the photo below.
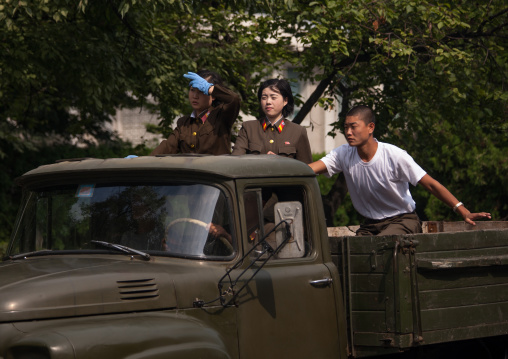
(364, 112)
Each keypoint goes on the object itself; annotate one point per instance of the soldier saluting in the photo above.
(208, 129)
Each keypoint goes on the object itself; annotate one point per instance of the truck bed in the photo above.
(411, 290)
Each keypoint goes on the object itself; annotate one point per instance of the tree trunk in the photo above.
(334, 199)
(311, 101)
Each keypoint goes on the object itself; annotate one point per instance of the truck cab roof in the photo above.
(225, 167)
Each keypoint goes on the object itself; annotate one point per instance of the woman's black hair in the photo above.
(283, 87)
(213, 78)
(210, 76)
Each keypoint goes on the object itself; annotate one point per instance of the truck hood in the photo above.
(68, 286)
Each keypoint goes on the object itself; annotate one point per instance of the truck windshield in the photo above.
(177, 220)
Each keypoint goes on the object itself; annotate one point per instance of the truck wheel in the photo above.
(188, 220)
(26, 353)
(218, 246)
(31, 356)
(215, 246)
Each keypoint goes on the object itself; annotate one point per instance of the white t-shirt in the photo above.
(378, 188)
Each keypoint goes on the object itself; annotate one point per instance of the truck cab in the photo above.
(171, 256)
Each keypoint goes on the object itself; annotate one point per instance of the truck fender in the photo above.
(150, 335)
(40, 345)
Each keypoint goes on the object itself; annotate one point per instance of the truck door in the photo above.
(289, 308)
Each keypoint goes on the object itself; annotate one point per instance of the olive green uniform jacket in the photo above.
(291, 141)
(213, 136)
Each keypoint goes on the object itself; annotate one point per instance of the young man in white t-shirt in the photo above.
(378, 176)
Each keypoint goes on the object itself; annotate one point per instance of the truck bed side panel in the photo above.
(463, 284)
(411, 290)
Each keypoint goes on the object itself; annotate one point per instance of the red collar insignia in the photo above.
(205, 116)
(279, 127)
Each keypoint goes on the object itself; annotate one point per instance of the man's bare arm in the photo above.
(318, 167)
(445, 196)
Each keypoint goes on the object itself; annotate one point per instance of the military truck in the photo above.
(188, 256)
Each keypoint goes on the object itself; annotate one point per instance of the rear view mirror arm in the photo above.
(231, 290)
(265, 248)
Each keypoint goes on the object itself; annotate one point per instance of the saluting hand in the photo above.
(198, 82)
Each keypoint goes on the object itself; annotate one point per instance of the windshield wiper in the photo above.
(124, 249)
(118, 247)
(31, 254)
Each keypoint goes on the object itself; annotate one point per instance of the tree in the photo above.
(435, 72)
(436, 75)
(67, 67)
(80, 63)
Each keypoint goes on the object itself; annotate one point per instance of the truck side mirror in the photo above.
(292, 213)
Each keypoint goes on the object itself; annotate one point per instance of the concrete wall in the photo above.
(318, 124)
(130, 124)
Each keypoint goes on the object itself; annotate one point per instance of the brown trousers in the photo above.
(402, 224)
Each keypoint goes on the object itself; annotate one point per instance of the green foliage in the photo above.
(435, 73)
(345, 215)
(3, 249)
(325, 183)
(10, 195)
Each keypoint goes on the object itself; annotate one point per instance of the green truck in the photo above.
(189, 256)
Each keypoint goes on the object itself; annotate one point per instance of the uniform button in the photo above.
(194, 133)
(272, 129)
(192, 146)
(271, 141)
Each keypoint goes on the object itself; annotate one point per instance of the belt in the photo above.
(374, 221)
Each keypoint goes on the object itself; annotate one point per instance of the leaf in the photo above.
(124, 8)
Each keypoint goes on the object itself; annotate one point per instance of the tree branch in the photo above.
(323, 85)
(482, 25)
(316, 95)
(479, 32)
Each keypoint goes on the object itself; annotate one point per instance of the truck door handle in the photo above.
(319, 283)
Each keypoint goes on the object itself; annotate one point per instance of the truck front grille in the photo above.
(138, 289)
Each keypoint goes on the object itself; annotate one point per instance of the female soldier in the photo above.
(273, 133)
(208, 129)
